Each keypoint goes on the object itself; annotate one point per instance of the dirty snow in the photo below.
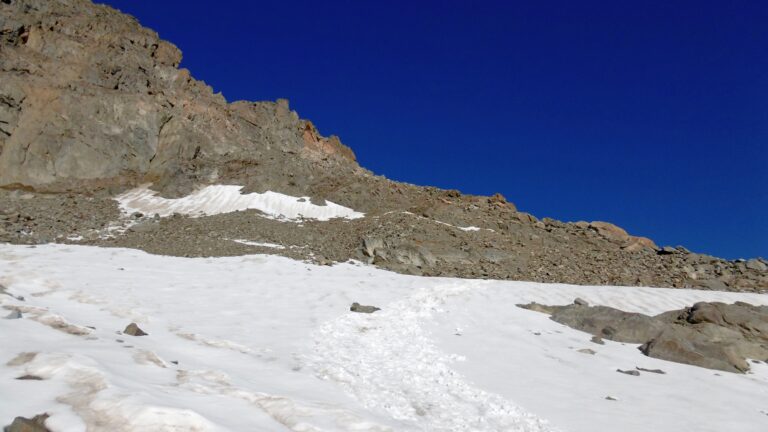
(267, 343)
(217, 199)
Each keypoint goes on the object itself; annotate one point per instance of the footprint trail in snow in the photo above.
(390, 364)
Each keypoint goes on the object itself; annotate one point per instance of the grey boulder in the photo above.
(357, 307)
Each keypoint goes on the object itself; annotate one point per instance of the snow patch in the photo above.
(259, 244)
(218, 199)
(466, 229)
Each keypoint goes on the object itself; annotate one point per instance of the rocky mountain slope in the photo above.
(93, 104)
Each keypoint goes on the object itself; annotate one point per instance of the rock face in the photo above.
(92, 103)
(89, 98)
(711, 335)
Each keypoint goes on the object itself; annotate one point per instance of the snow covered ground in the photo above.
(264, 343)
(217, 199)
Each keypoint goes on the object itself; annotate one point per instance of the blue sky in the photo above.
(652, 115)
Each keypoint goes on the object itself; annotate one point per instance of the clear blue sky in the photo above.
(652, 115)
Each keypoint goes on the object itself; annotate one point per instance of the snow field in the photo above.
(267, 343)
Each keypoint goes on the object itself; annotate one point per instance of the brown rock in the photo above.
(133, 330)
(610, 231)
(22, 424)
(635, 244)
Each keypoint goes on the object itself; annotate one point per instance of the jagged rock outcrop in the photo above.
(92, 103)
(90, 98)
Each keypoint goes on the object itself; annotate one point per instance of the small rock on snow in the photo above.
(357, 307)
(656, 371)
(580, 301)
(134, 330)
(30, 378)
(22, 424)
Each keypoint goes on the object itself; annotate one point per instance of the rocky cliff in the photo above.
(92, 104)
(91, 99)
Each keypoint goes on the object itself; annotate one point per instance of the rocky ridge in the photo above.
(92, 104)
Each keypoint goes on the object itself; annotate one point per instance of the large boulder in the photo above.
(682, 345)
(618, 235)
(635, 244)
(756, 264)
(610, 231)
(711, 335)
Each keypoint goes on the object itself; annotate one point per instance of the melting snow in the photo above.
(217, 199)
(267, 343)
